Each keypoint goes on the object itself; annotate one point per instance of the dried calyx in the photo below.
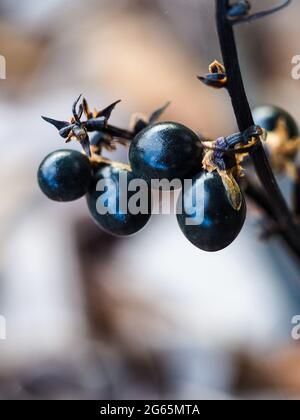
(216, 77)
(226, 154)
(79, 130)
(105, 136)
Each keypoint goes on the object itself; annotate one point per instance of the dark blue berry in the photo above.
(118, 221)
(215, 223)
(165, 151)
(65, 175)
(267, 116)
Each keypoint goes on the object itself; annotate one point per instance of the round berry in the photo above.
(113, 206)
(65, 175)
(206, 216)
(268, 116)
(165, 151)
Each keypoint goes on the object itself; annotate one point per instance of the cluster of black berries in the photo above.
(213, 205)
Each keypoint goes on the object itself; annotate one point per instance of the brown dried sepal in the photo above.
(283, 150)
(232, 187)
(228, 178)
(216, 77)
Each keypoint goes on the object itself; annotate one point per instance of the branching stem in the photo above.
(235, 86)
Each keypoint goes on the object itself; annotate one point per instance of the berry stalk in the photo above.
(243, 114)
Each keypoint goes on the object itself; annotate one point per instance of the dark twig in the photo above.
(296, 195)
(257, 196)
(244, 119)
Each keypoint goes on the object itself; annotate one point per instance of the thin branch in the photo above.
(260, 15)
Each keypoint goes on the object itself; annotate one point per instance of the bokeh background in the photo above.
(92, 316)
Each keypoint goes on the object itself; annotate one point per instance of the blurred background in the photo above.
(93, 316)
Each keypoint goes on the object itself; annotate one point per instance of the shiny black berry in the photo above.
(165, 151)
(208, 219)
(110, 202)
(65, 175)
(268, 116)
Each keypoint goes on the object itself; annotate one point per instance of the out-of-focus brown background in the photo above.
(91, 316)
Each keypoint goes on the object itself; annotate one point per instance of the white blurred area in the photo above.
(161, 295)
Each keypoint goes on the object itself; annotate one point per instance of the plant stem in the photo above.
(243, 114)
